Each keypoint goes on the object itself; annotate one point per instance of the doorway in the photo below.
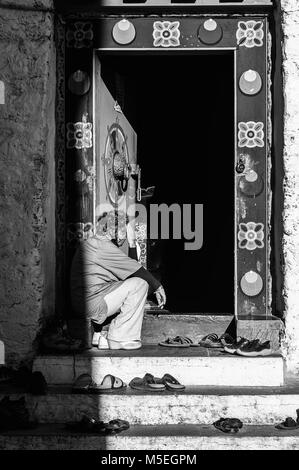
(182, 109)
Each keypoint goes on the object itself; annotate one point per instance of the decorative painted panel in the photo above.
(251, 183)
(116, 148)
(79, 138)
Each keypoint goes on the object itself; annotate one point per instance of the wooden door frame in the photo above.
(194, 51)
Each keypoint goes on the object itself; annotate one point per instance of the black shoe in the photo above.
(6, 374)
(32, 382)
(37, 384)
(22, 377)
(233, 347)
(254, 348)
(14, 414)
(228, 425)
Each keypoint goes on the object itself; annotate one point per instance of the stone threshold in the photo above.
(154, 350)
(182, 437)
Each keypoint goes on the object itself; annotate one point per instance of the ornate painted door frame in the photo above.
(247, 38)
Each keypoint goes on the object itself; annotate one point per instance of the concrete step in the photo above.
(179, 437)
(191, 366)
(195, 405)
(160, 325)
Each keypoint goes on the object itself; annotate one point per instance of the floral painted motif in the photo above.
(79, 135)
(251, 235)
(166, 34)
(141, 238)
(251, 134)
(79, 231)
(81, 177)
(79, 35)
(250, 33)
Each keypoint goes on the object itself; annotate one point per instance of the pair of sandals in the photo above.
(209, 341)
(289, 423)
(85, 384)
(228, 425)
(93, 426)
(153, 384)
(60, 342)
(233, 425)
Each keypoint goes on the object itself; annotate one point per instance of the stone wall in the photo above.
(290, 65)
(27, 173)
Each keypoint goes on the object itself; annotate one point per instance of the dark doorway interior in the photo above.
(182, 108)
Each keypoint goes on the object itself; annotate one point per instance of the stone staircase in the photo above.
(217, 385)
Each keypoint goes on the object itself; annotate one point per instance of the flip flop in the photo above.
(228, 425)
(85, 384)
(209, 341)
(171, 383)
(109, 384)
(92, 426)
(177, 342)
(226, 340)
(117, 425)
(87, 425)
(147, 383)
(82, 383)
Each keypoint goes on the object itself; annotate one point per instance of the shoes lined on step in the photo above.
(289, 423)
(7, 374)
(32, 382)
(247, 348)
(209, 341)
(94, 426)
(85, 384)
(254, 348)
(233, 347)
(155, 384)
(228, 425)
(57, 339)
(177, 342)
(214, 341)
(14, 415)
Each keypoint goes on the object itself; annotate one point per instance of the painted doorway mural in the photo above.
(246, 39)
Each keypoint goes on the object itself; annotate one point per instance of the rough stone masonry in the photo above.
(290, 45)
(27, 138)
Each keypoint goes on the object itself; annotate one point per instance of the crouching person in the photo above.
(104, 281)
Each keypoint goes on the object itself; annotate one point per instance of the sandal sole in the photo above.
(175, 389)
(98, 391)
(253, 354)
(286, 428)
(148, 389)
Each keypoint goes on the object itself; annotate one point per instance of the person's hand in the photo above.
(131, 234)
(161, 297)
